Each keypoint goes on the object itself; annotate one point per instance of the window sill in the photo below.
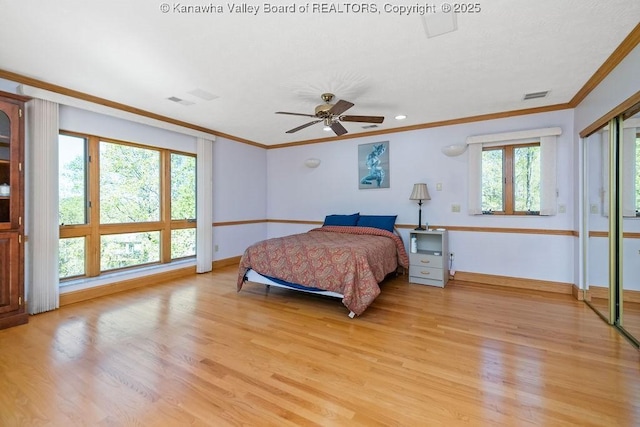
(119, 276)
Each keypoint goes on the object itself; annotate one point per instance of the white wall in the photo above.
(78, 120)
(240, 194)
(299, 193)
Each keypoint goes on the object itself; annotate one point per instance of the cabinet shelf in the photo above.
(420, 251)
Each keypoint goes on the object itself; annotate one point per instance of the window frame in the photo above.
(548, 139)
(509, 178)
(93, 229)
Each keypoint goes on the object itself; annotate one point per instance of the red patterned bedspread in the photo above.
(348, 260)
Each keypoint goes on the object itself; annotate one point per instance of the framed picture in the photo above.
(373, 165)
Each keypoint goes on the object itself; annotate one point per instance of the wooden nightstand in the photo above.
(429, 265)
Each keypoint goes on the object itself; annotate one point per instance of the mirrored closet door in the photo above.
(611, 157)
(629, 316)
(596, 157)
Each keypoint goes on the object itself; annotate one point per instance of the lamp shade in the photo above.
(420, 192)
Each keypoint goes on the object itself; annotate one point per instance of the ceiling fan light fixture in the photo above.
(330, 115)
(323, 110)
(327, 129)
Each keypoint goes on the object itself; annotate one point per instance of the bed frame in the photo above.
(253, 276)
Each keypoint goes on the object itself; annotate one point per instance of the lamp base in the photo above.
(420, 229)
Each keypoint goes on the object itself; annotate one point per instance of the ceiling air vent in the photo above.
(203, 94)
(534, 95)
(180, 100)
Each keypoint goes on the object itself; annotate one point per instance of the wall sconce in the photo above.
(454, 150)
(312, 163)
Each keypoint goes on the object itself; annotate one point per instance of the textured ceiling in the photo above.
(256, 63)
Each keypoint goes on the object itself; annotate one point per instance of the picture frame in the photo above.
(373, 166)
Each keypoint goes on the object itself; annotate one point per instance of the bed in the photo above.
(343, 261)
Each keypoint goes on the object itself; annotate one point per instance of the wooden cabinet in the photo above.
(12, 298)
(429, 257)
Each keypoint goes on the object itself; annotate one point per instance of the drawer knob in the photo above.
(425, 272)
(425, 261)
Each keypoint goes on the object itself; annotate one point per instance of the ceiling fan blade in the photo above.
(295, 114)
(303, 126)
(365, 119)
(340, 107)
(338, 128)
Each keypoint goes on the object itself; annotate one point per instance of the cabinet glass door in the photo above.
(5, 169)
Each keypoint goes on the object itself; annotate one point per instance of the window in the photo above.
(72, 183)
(511, 179)
(129, 184)
(72, 257)
(183, 205)
(513, 173)
(123, 205)
(129, 249)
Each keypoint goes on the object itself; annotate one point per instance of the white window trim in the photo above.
(548, 159)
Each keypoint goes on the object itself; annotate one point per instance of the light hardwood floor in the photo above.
(196, 352)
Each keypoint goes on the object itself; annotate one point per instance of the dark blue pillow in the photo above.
(344, 220)
(385, 222)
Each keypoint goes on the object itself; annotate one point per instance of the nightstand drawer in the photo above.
(425, 272)
(423, 260)
(426, 276)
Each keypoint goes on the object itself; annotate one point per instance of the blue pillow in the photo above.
(384, 222)
(344, 220)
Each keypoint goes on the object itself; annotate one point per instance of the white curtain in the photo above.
(43, 228)
(475, 179)
(548, 164)
(548, 175)
(204, 205)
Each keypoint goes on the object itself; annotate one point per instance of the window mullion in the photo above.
(92, 244)
(165, 206)
(509, 170)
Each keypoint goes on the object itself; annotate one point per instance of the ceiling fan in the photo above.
(331, 115)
